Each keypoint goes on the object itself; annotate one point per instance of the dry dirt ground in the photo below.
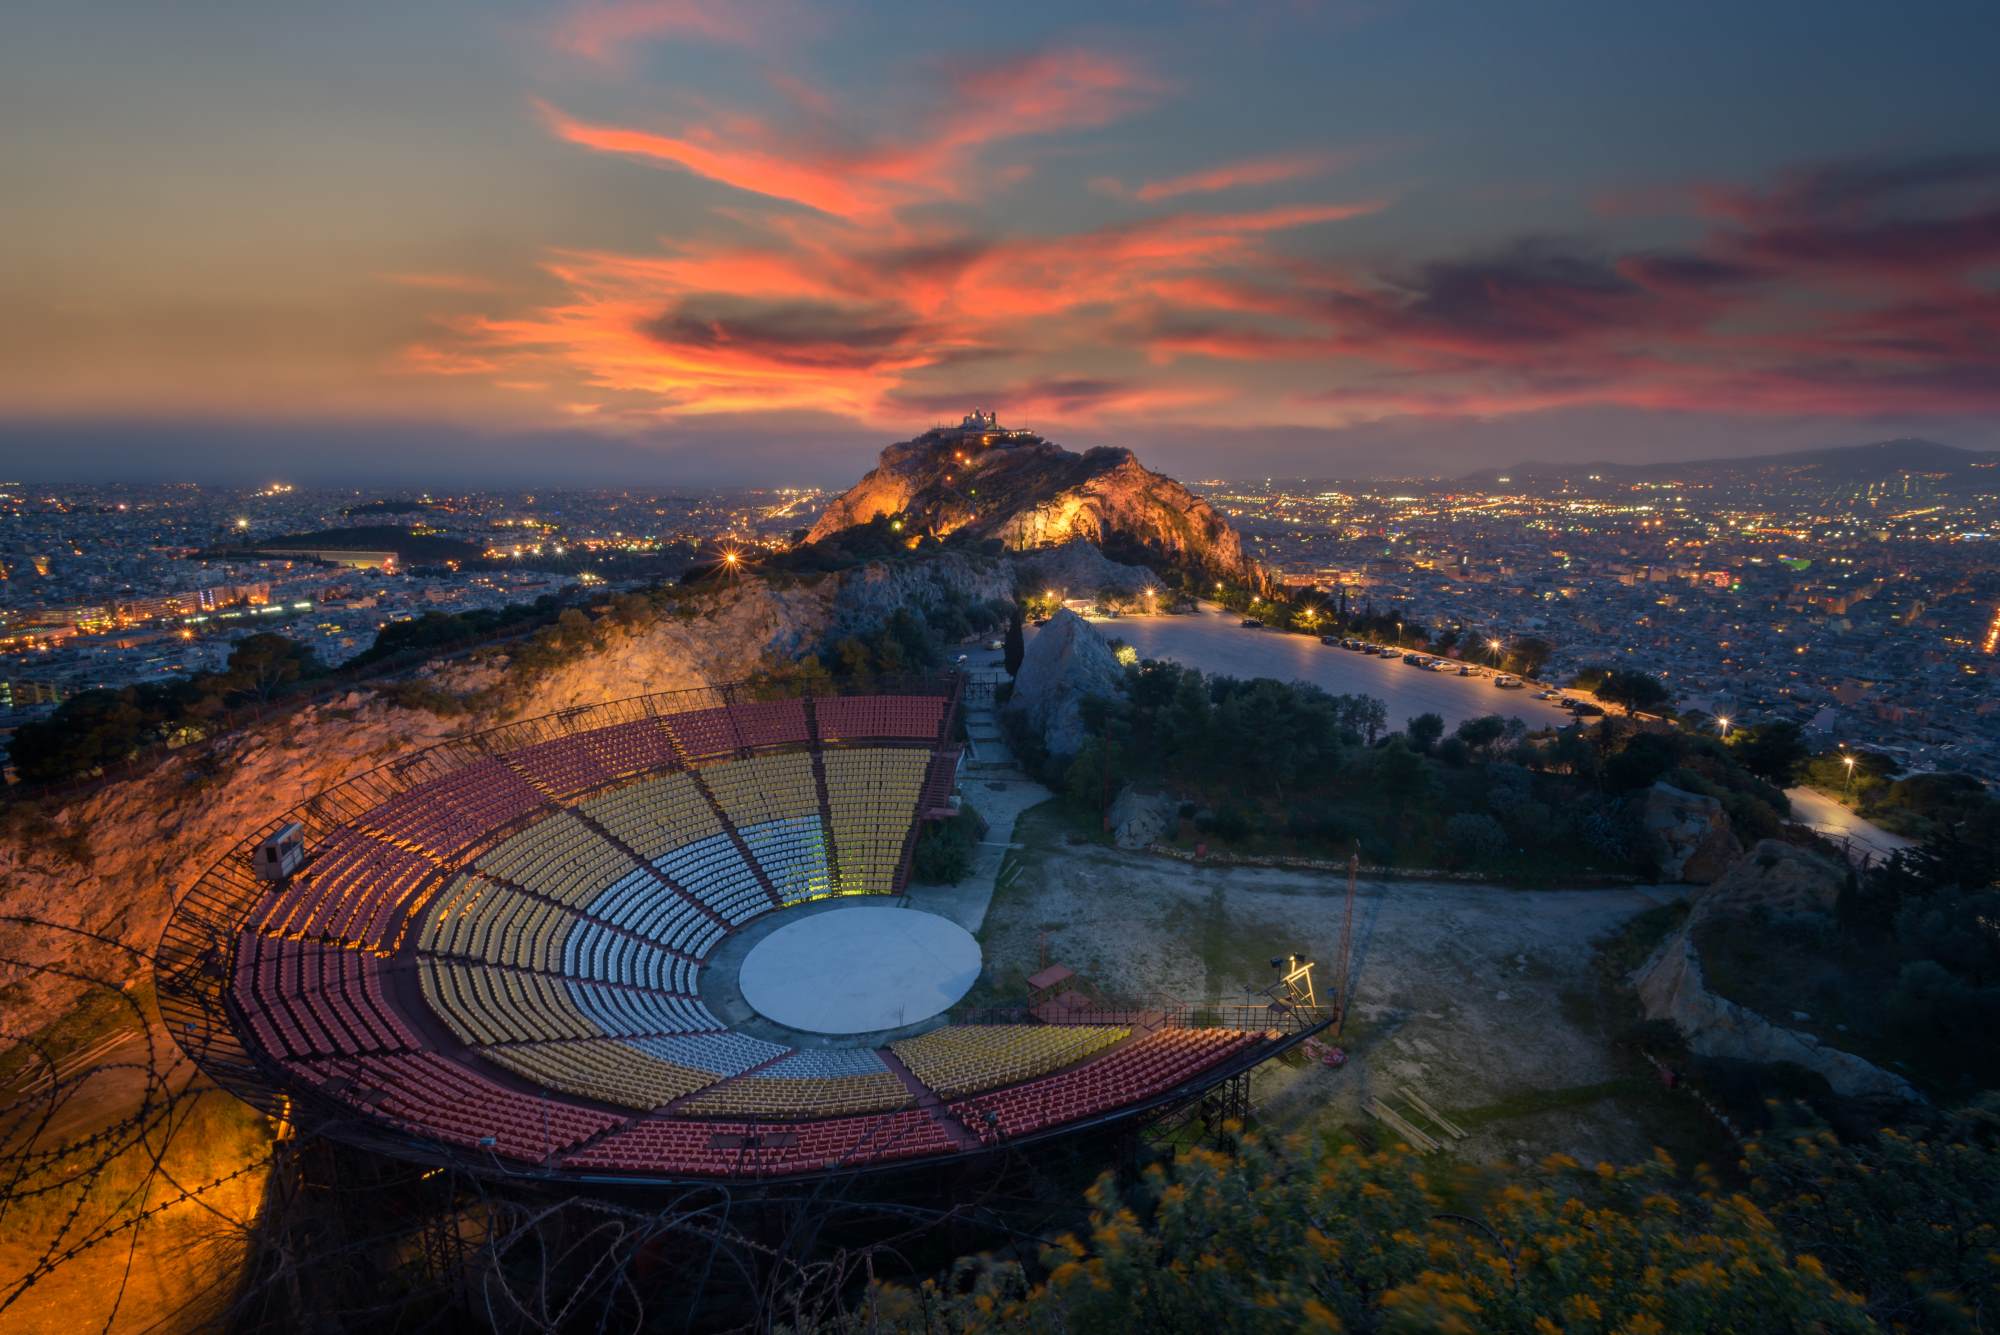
(1484, 1001)
(115, 1219)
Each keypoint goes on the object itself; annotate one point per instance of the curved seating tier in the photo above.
(304, 999)
(446, 816)
(440, 1099)
(643, 906)
(807, 1084)
(965, 1059)
(551, 907)
(1141, 1069)
(880, 717)
(349, 895)
(715, 873)
(656, 816)
(602, 1069)
(792, 852)
(871, 796)
(560, 857)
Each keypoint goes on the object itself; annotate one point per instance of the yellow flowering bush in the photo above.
(1280, 1238)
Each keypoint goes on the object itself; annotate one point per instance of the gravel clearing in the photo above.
(1480, 999)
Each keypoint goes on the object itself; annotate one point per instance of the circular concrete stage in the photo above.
(861, 969)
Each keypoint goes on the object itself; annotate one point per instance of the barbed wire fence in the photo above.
(102, 1155)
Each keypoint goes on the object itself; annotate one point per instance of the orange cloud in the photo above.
(422, 359)
(826, 189)
(1236, 176)
(804, 312)
(1036, 94)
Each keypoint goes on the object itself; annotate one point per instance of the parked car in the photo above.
(1252, 623)
(1507, 683)
(1466, 670)
(1329, 639)
(1415, 660)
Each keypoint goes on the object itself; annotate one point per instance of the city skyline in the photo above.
(661, 242)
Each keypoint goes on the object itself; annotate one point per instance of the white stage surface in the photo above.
(857, 970)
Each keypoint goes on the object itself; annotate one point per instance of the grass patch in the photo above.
(1634, 943)
(98, 1014)
(1534, 1102)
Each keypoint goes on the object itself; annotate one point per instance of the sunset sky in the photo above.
(738, 240)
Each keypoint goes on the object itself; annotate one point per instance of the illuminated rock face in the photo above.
(1030, 493)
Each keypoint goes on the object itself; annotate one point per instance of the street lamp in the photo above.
(1494, 646)
(1848, 787)
(1723, 722)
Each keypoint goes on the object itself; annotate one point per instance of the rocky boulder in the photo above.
(1670, 986)
(1777, 877)
(1139, 819)
(1696, 843)
(1079, 569)
(1066, 663)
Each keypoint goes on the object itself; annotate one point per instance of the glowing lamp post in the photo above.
(1848, 787)
(1493, 646)
(1723, 723)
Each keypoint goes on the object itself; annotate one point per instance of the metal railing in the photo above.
(1245, 1017)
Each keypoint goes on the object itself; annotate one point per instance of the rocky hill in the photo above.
(981, 481)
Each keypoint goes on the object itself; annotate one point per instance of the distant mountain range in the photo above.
(1836, 464)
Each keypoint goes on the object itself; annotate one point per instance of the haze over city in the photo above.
(695, 241)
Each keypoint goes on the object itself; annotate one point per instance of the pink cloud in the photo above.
(1832, 292)
(599, 29)
(1237, 175)
(994, 102)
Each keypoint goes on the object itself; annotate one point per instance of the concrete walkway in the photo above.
(996, 787)
(1819, 812)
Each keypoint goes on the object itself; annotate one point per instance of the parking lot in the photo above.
(1214, 641)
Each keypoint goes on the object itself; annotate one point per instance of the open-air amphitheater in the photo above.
(504, 954)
